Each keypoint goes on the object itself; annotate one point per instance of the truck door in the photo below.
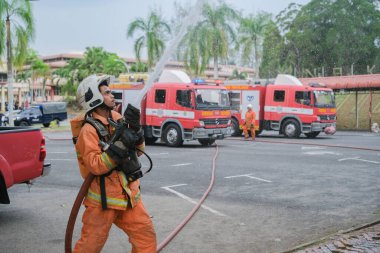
(36, 116)
(157, 109)
(276, 103)
(302, 100)
(250, 97)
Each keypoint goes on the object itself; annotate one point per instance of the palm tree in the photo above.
(18, 15)
(40, 70)
(154, 31)
(251, 32)
(218, 31)
(194, 51)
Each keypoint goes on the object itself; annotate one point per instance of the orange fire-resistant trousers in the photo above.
(250, 128)
(135, 222)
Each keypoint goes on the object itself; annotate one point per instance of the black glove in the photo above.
(140, 136)
(131, 167)
(117, 151)
(132, 117)
(129, 137)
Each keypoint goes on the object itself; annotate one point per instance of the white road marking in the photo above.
(308, 147)
(168, 188)
(350, 158)
(358, 159)
(250, 176)
(322, 152)
(181, 164)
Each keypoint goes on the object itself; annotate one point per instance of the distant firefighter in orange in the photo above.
(249, 123)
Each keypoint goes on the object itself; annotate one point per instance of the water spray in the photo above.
(192, 18)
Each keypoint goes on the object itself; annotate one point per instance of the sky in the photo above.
(66, 26)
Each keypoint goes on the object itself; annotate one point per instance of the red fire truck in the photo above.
(285, 106)
(178, 112)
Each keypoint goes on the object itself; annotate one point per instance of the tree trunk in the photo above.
(257, 65)
(10, 72)
(216, 76)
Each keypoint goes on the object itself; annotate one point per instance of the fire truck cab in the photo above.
(285, 106)
(178, 112)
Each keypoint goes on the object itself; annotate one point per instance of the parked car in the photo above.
(44, 113)
(22, 156)
(4, 118)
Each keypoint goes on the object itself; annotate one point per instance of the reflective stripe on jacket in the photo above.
(120, 193)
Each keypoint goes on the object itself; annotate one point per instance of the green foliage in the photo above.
(329, 34)
(19, 16)
(272, 47)
(96, 61)
(210, 38)
(251, 32)
(152, 36)
(195, 51)
(238, 75)
(139, 67)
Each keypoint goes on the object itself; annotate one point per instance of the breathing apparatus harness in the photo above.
(121, 146)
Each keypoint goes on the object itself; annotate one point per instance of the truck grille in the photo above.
(327, 117)
(213, 122)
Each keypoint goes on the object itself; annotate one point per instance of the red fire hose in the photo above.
(74, 212)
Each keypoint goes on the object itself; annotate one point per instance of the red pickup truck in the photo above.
(22, 155)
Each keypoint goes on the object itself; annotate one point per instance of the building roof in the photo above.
(355, 82)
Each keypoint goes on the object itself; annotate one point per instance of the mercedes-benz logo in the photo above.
(216, 122)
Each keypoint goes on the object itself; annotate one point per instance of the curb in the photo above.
(328, 237)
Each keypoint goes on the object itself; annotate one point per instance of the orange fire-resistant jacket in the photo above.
(250, 117)
(120, 193)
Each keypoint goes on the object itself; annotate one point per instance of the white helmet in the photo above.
(249, 106)
(88, 94)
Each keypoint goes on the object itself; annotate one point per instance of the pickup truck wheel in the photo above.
(291, 128)
(4, 198)
(46, 124)
(24, 123)
(173, 136)
(236, 131)
(206, 142)
(312, 134)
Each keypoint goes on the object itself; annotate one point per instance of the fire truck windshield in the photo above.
(324, 99)
(211, 99)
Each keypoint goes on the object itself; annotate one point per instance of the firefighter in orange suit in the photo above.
(124, 206)
(249, 123)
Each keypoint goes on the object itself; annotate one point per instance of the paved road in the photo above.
(267, 197)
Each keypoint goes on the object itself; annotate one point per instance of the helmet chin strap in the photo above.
(103, 109)
(103, 106)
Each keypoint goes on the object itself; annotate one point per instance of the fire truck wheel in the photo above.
(206, 142)
(236, 128)
(312, 134)
(291, 128)
(173, 136)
